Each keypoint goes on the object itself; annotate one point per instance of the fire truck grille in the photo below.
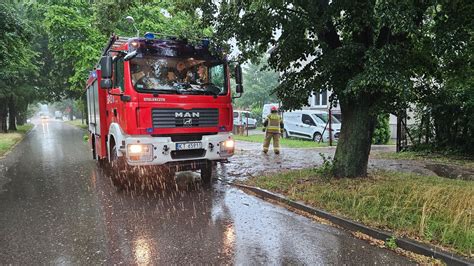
(177, 118)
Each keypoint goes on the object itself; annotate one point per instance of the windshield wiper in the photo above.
(182, 86)
(202, 91)
(211, 88)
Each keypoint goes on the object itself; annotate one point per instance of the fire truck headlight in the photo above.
(135, 148)
(227, 147)
(229, 144)
(140, 152)
(134, 44)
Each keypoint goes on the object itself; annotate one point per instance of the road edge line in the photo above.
(404, 243)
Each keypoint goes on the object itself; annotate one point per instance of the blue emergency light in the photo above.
(149, 36)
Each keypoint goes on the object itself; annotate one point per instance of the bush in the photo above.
(382, 130)
(257, 114)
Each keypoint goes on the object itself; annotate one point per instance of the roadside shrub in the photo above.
(444, 119)
(382, 130)
(326, 169)
(256, 112)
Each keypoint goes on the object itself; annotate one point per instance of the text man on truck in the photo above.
(160, 103)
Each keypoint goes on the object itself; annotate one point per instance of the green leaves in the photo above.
(16, 52)
(380, 55)
(259, 84)
(74, 44)
(71, 36)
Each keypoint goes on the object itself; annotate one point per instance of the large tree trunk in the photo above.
(3, 116)
(12, 114)
(71, 112)
(21, 114)
(353, 147)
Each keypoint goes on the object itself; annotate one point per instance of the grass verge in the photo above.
(427, 208)
(77, 123)
(8, 140)
(288, 143)
(428, 156)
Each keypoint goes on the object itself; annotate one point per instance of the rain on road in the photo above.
(57, 207)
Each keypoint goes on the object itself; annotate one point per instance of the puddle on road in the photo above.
(451, 172)
(249, 161)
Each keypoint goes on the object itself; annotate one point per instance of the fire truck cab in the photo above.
(161, 102)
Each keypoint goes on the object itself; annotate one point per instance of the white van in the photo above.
(310, 124)
(241, 118)
(58, 115)
(267, 109)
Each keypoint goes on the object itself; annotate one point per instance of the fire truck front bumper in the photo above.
(147, 150)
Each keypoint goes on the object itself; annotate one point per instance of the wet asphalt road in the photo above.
(58, 207)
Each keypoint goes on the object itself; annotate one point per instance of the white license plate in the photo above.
(189, 146)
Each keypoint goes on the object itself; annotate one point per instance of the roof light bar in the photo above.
(149, 36)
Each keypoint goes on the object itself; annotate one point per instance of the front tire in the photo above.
(118, 169)
(94, 153)
(317, 137)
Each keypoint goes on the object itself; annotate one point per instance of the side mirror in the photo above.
(106, 67)
(130, 56)
(238, 74)
(239, 88)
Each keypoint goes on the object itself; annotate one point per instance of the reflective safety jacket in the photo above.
(273, 123)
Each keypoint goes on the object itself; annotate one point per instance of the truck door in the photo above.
(114, 103)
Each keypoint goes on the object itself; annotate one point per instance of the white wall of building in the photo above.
(320, 101)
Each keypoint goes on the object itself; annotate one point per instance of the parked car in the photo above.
(58, 115)
(267, 109)
(310, 124)
(241, 118)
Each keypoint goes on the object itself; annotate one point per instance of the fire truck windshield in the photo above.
(178, 75)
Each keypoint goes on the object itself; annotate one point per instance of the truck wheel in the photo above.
(206, 172)
(118, 169)
(317, 137)
(92, 141)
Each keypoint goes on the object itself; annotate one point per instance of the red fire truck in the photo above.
(161, 102)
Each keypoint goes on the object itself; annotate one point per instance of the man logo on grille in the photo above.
(186, 114)
(188, 122)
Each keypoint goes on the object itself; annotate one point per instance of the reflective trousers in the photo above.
(276, 142)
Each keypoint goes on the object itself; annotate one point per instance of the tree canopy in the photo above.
(371, 54)
(17, 70)
(259, 83)
(50, 47)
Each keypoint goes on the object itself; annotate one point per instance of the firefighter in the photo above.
(181, 72)
(273, 125)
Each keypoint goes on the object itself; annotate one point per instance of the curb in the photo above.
(404, 243)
